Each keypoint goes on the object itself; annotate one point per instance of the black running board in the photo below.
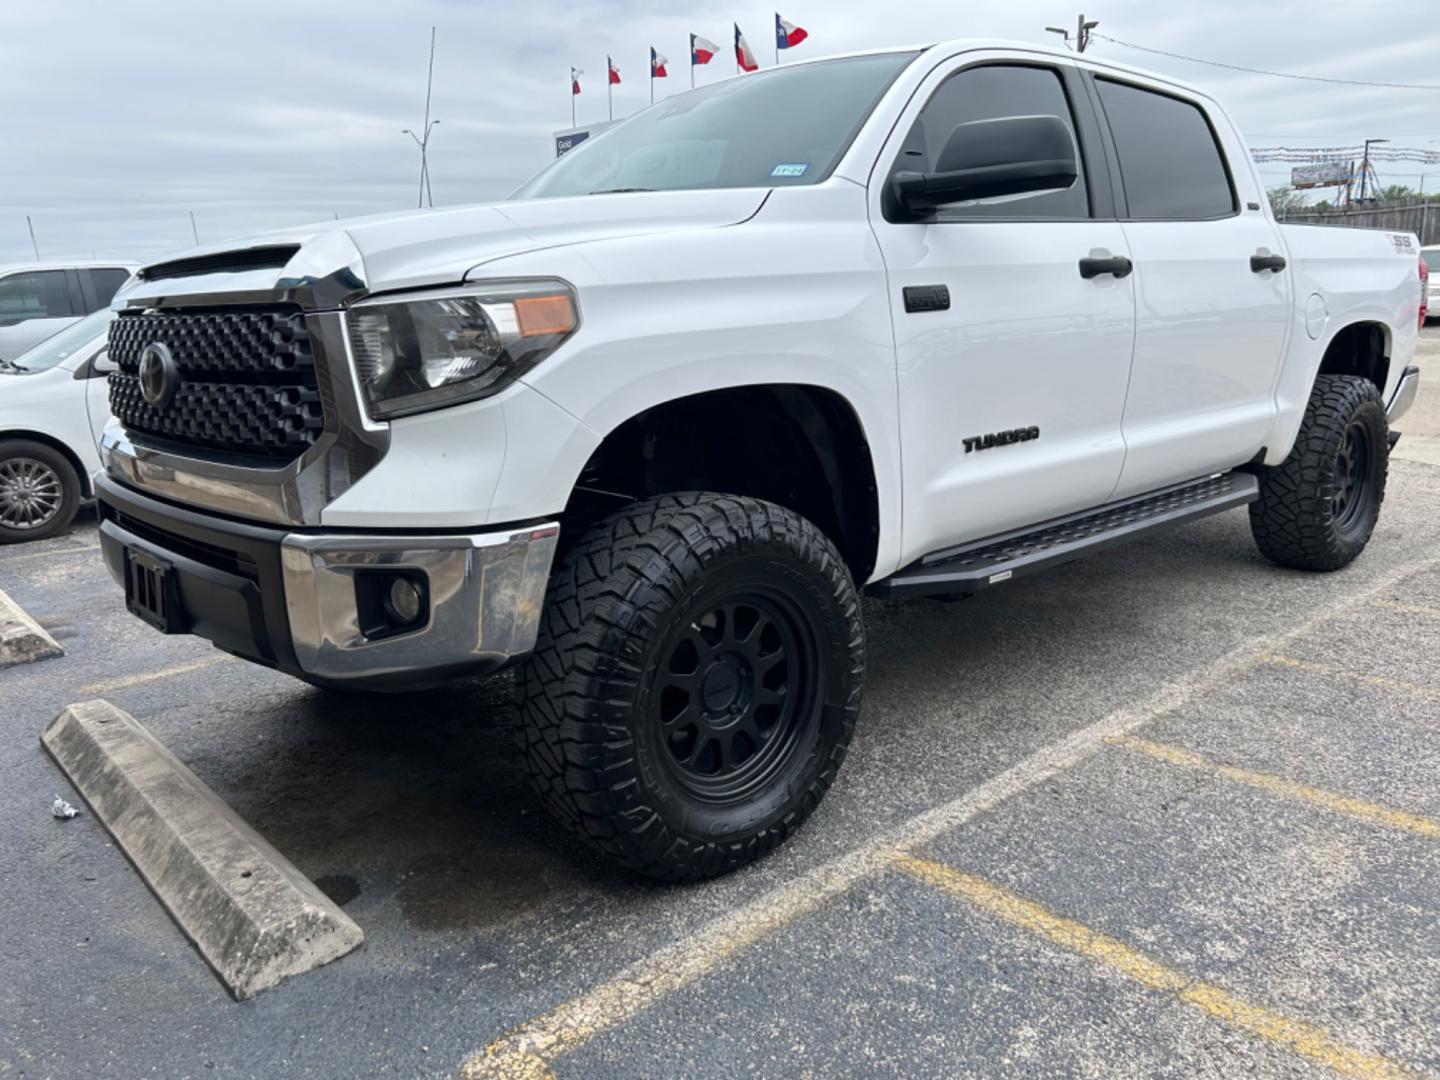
(971, 567)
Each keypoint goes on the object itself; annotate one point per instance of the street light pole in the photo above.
(424, 145)
(423, 141)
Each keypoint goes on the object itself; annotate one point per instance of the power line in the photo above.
(1261, 71)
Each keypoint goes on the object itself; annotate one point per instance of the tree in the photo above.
(1395, 193)
(1285, 200)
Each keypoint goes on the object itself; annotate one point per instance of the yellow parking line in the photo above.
(1408, 609)
(528, 1050)
(105, 686)
(1296, 1036)
(1383, 681)
(1278, 785)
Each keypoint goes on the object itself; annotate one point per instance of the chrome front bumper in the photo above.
(294, 600)
(485, 595)
(1404, 394)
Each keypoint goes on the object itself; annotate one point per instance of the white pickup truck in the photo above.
(913, 322)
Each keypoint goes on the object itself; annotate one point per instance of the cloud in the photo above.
(120, 119)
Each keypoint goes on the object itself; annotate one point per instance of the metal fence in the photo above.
(1420, 218)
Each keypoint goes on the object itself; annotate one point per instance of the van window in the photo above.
(34, 294)
(107, 281)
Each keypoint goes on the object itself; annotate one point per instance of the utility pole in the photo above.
(193, 230)
(423, 141)
(1082, 33)
(33, 244)
(1365, 165)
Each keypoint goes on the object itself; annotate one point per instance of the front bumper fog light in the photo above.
(390, 602)
(404, 601)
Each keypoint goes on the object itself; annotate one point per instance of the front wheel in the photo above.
(695, 683)
(39, 491)
(1318, 507)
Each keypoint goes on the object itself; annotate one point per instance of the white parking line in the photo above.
(8, 559)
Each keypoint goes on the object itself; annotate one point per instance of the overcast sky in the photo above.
(117, 119)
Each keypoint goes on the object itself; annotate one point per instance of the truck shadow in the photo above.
(416, 804)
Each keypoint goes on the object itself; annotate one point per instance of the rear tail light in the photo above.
(1424, 292)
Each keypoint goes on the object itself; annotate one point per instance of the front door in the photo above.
(1011, 399)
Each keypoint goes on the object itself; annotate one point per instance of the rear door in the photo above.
(1011, 396)
(1210, 328)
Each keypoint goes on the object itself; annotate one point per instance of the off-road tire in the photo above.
(590, 717)
(18, 450)
(1303, 518)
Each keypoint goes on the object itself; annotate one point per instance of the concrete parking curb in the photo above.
(254, 917)
(22, 640)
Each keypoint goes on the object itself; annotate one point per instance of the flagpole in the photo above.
(572, 97)
(609, 89)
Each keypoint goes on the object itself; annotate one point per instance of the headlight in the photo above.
(440, 348)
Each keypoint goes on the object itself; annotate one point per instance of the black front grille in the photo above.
(246, 380)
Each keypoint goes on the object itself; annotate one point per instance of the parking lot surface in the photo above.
(1167, 811)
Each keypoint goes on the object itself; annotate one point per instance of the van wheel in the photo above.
(39, 491)
(1318, 507)
(695, 683)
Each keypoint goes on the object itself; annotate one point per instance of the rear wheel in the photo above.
(1318, 507)
(39, 491)
(695, 684)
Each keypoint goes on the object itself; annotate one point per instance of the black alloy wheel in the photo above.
(737, 692)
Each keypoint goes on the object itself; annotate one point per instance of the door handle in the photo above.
(1115, 264)
(1260, 263)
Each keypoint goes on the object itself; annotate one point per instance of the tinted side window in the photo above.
(107, 282)
(1169, 160)
(40, 294)
(989, 93)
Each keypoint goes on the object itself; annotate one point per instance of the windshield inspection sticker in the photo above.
(789, 170)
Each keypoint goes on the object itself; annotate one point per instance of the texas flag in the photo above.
(787, 34)
(657, 65)
(702, 50)
(575, 74)
(744, 58)
(614, 71)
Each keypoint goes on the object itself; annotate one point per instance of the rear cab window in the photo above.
(1171, 164)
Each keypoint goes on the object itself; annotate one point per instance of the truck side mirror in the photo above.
(983, 159)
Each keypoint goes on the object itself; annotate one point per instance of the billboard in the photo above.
(1331, 173)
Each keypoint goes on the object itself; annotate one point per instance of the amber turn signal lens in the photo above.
(539, 315)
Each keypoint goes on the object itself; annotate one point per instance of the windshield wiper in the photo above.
(620, 190)
(10, 365)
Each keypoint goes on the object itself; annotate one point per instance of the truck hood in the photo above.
(418, 248)
(423, 247)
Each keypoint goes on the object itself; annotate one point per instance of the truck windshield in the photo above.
(58, 348)
(1432, 258)
(782, 126)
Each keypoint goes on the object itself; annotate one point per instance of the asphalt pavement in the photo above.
(1165, 811)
